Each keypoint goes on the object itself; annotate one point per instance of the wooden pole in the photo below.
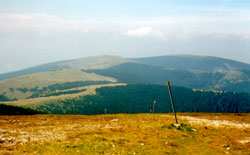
(154, 106)
(153, 109)
(172, 101)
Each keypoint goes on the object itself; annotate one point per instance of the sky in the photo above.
(34, 32)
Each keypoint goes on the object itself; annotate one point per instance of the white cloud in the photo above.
(140, 32)
(181, 27)
(145, 31)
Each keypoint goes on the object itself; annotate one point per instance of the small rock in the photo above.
(176, 125)
(142, 144)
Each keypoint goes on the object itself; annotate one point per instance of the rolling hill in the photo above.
(98, 62)
(24, 86)
(196, 72)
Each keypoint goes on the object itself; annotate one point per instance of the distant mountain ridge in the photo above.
(178, 62)
(198, 72)
(96, 62)
(36, 69)
(189, 62)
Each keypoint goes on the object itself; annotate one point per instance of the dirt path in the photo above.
(215, 123)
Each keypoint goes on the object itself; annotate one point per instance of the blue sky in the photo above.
(117, 8)
(33, 32)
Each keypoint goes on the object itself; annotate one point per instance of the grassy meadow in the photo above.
(10, 87)
(35, 102)
(200, 133)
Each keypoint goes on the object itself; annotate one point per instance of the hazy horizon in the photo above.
(124, 57)
(36, 32)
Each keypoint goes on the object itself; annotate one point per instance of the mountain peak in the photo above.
(97, 62)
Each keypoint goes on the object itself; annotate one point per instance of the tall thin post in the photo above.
(172, 101)
(154, 106)
(153, 109)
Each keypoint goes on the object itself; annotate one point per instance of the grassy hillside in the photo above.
(98, 62)
(189, 62)
(24, 86)
(36, 69)
(34, 103)
(32, 82)
(200, 133)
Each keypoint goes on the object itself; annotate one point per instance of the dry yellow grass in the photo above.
(122, 134)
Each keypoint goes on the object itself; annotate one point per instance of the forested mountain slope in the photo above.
(144, 73)
(140, 99)
(189, 62)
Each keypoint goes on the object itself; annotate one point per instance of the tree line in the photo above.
(139, 98)
(14, 110)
